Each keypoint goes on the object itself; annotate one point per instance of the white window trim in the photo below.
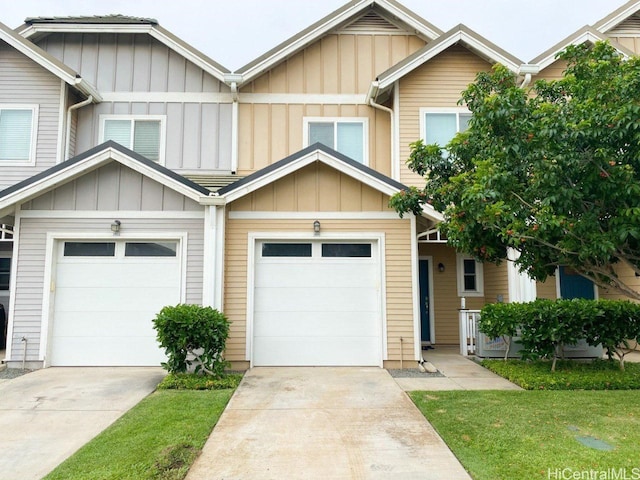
(35, 109)
(3, 256)
(425, 110)
(365, 131)
(479, 291)
(163, 129)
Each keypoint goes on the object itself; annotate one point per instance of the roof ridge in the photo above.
(94, 19)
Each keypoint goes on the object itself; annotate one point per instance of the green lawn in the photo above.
(158, 439)
(514, 435)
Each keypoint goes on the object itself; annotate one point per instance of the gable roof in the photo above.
(585, 34)
(335, 20)
(323, 154)
(617, 16)
(48, 62)
(90, 160)
(457, 35)
(36, 26)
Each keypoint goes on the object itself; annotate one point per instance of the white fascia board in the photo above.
(489, 52)
(580, 39)
(623, 15)
(303, 162)
(431, 213)
(413, 23)
(84, 28)
(292, 47)
(188, 54)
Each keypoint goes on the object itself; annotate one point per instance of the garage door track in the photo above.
(329, 423)
(46, 415)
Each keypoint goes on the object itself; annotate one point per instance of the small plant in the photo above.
(192, 337)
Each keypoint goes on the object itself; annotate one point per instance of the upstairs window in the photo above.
(440, 126)
(143, 135)
(17, 133)
(5, 270)
(345, 135)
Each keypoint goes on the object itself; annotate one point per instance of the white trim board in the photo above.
(262, 215)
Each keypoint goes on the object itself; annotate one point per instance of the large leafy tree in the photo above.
(552, 171)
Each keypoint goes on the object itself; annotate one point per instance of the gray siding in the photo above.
(22, 81)
(113, 187)
(31, 267)
(198, 135)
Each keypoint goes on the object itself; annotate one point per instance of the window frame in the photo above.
(134, 118)
(479, 275)
(364, 121)
(7, 273)
(35, 111)
(451, 110)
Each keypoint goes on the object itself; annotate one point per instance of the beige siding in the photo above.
(555, 71)
(113, 187)
(397, 264)
(628, 276)
(336, 64)
(547, 289)
(269, 133)
(22, 81)
(496, 283)
(31, 266)
(316, 187)
(437, 83)
(630, 42)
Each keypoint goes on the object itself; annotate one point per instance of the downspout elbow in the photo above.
(527, 80)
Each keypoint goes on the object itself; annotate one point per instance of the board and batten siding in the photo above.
(437, 83)
(399, 299)
(271, 132)
(314, 188)
(22, 81)
(198, 133)
(110, 188)
(31, 265)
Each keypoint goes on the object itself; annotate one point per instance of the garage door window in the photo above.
(150, 249)
(286, 249)
(351, 250)
(89, 249)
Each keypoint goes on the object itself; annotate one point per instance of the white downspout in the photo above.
(373, 90)
(527, 70)
(234, 80)
(67, 139)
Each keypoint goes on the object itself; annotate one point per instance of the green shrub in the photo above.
(189, 381)
(192, 337)
(569, 374)
(501, 320)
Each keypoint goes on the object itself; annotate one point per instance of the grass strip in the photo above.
(569, 375)
(157, 439)
(514, 435)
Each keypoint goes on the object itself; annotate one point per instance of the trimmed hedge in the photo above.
(545, 326)
(193, 337)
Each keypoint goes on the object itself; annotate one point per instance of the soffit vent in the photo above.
(631, 26)
(371, 23)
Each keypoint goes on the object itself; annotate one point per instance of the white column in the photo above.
(522, 288)
(218, 287)
(415, 284)
(209, 256)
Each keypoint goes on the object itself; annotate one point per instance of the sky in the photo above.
(234, 32)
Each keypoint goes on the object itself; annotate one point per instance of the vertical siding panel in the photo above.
(264, 199)
(329, 189)
(86, 192)
(348, 70)
(313, 68)
(191, 135)
(89, 63)
(142, 54)
(295, 74)
(176, 72)
(350, 194)
(223, 158)
(279, 141)
(108, 187)
(364, 63)
(124, 63)
(130, 197)
(307, 189)
(106, 62)
(193, 80)
(278, 79)
(262, 148)
(152, 195)
(175, 128)
(330, 65)
(210, 155)
(64, 197)
(285, 194)
(159, 78)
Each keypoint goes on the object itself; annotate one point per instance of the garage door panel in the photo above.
(71, 351)
(274, 324)
(352, 299)
(316, 275)
(315, 351)
(135, 323)
(114, 299)
(126, 275)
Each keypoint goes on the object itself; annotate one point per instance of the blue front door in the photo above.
(573, 285)
(425, 328)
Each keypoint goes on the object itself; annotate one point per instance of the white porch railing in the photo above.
(468, 329)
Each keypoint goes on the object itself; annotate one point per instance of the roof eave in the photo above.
(617, 16)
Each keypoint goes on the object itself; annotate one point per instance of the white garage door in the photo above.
(106, 295)
(317, 303)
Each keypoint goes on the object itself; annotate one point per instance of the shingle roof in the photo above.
(95, 19)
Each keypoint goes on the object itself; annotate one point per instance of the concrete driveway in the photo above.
(47, 415)
(329, 423)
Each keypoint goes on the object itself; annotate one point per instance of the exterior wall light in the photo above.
(316, 227)
(441, 267)
(115, 227)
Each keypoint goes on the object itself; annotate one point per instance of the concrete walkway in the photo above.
(328, 423)
(460, 373)
(46, 415)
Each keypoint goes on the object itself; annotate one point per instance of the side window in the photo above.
(440, 127)
(143, 135)
(17, 133)
(347, 136)
(5, 270)
(470, 277)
